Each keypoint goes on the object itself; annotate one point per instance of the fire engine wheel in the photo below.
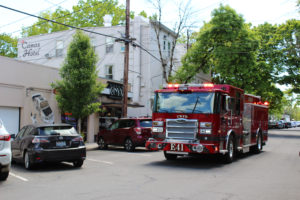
(102, 144)
(258, 147)
(169, 156)
(230, 155)
(128, 145)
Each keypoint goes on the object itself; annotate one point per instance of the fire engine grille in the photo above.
(181, 128)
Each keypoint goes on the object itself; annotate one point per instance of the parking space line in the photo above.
(143, 155)
(100, 161)
(18, 177)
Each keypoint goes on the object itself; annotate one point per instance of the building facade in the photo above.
(145, 71)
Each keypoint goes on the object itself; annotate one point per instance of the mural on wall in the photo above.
(41, 111)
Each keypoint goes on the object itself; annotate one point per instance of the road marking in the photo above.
(19, 177)
(100, 161)
(144, 155)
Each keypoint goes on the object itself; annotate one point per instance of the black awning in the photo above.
(119, 105)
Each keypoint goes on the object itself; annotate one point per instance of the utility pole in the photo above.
(126, 61)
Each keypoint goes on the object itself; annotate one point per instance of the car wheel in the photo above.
(78, 163)
(3, 176)
(169, 156)
(102, 144)
(258, 147)
(27, 162)
(230, 155)
(128, 145)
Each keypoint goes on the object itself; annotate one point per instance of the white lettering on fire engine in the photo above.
(176, 147)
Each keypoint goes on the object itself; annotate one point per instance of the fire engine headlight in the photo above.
(205, 125)
(157, 129)
(198, 148)
(205, 131)
(158, 123)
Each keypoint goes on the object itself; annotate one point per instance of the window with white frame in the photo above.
(169, 48)
(109, 45)
(59, 48)
(109, 71)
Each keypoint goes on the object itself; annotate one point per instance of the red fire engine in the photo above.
(207, 119)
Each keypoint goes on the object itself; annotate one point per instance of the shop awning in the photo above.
(119, 105)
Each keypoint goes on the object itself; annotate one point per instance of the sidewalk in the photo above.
(91, 146)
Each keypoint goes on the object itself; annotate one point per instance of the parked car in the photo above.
(293, 124)
(129, 132)
(288, 124)
(280, 124)
(5, 152)
(39, 143)
(272, 124)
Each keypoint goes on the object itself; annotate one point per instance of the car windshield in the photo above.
(58, 130)
(146, 123)
(198, 102)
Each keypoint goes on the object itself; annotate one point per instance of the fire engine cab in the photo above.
(191, 119)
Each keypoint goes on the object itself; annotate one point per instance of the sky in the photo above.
(253, 11)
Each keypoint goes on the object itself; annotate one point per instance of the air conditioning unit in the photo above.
(48, 55)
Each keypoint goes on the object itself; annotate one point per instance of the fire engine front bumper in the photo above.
(182, 146)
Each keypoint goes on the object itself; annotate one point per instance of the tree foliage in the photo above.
(8, 45)
(87, 13)
(78, 90)
(235, 54)
(225, 47)
(288, 35)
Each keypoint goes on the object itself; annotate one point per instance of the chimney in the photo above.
(107, 20)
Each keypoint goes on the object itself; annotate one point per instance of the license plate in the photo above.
(176, 147)
(61, 143)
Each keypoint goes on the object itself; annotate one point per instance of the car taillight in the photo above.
(37, 140)
(4, 137)
(138, 130)
(77, 139)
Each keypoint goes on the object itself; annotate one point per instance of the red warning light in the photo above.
(266, 103)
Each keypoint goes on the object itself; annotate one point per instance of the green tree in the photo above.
(78, 90)
(225, 47)
(288, 35)
(235, 54)
(143, 13)
(43, 27)
(8, 45)
(87, 13)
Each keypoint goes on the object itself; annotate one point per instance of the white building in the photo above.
(145, 71)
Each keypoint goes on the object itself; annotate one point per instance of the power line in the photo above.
(49, 20)
(54, 5)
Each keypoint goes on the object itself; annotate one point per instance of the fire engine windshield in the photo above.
(198, 102)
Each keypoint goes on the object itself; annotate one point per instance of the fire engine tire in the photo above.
(102, 144)
(230, 155)
(169, 156)
(259, 145)
(128, 145)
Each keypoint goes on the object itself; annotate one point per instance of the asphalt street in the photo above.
(115, 174)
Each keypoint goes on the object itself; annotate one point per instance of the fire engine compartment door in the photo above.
(247, 121)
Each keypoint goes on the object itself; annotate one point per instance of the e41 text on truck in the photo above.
(207, 119)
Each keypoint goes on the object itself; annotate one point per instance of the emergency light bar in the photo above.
(185, 86)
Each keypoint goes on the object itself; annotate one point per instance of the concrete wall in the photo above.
(20, 80)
